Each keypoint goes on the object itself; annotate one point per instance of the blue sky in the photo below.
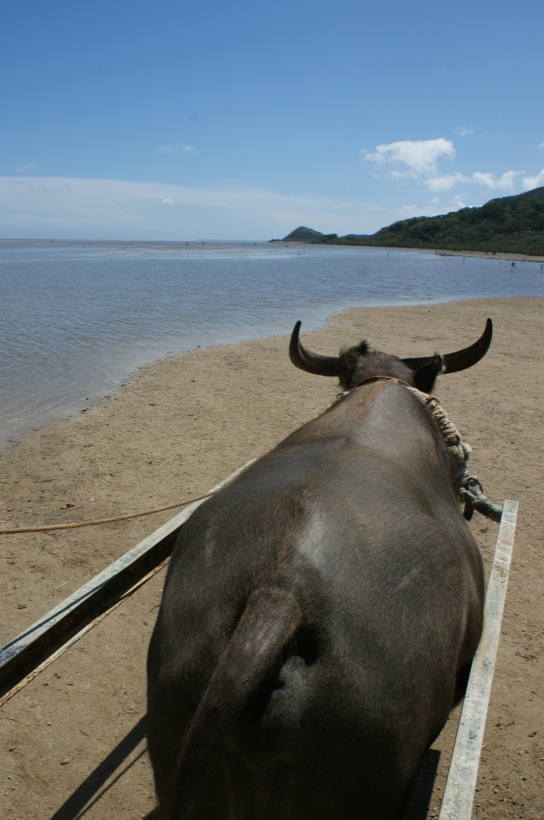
(242, 119)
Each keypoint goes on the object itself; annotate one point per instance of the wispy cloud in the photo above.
(182, 148)
(25, 168)
(75, 208)
(95, 208)
(465, 131)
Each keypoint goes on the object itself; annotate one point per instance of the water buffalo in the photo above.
(320, 613)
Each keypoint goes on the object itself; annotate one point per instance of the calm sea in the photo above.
(77, 317)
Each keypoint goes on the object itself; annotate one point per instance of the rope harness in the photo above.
(471, 491)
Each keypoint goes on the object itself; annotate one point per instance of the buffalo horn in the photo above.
(461, 359)
(311, 362)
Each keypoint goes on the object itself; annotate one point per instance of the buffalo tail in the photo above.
(267, 625)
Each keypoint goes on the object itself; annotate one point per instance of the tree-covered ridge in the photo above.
(508, 225)
(513, 224)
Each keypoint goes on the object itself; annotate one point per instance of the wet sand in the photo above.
(74, 736)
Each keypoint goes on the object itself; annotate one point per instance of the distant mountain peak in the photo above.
(302, 234)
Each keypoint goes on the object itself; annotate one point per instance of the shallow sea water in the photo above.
(76, 318)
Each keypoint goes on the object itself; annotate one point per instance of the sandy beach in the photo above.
(73, 741)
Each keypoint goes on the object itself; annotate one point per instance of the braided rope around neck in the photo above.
(471, 490)
(459, 449)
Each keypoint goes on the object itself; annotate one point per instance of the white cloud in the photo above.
(506, 182)
(534, 182)
(168, 201)
(417, 158)
(445, 182)
(182, 148)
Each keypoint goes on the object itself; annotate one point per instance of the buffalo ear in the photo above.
(425, 376)
(363, 348)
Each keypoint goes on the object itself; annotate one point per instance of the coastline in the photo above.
(175, 429)
(507, 257)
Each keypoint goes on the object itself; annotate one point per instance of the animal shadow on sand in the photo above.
(89, 792)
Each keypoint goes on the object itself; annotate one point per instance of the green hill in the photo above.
(303, 234)
(512, 224)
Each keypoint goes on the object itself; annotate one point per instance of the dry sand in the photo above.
(73, 741)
